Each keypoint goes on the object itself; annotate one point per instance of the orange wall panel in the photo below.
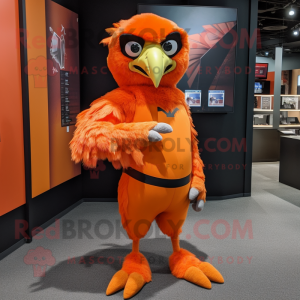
(12, 169)
(38, 95)
(271, 76)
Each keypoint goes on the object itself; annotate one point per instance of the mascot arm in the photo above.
(102, 133)
(198, 190)
(198, 177)
(197, 194)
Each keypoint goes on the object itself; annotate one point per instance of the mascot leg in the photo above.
(139, 204)
(134, 274)
(184, 264)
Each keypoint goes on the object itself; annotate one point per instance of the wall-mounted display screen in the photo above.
(257, 88)
(262, 87)
(261, 70)
(213, 37)
(193, 98)
(216, 98)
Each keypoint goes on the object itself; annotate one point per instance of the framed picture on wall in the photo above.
(288, 102)
(266, 102)
(193, 98)
(216, 98)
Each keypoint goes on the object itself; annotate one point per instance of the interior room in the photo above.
(150, 149)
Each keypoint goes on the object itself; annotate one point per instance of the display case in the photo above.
(263, 111)
(289, 111)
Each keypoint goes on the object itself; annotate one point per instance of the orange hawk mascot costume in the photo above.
(145, 127)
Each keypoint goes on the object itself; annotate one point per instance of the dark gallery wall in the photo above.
(216, 131)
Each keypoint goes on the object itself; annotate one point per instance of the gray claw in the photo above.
(163, 128)
(198, 206)
(154, 136)
(193, 194)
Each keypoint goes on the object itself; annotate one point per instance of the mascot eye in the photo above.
(133, 49)
(170, 47)
(172, 44)
(131, 45)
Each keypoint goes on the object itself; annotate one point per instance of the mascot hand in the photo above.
(154, 135)
(198, 205)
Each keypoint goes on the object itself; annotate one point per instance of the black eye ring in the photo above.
(125, 39)
(173, 36)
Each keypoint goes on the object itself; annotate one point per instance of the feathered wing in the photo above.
(103, 133)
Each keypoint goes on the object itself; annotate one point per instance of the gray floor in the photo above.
(272, 214)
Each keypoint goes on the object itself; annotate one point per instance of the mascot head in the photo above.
(147, 50)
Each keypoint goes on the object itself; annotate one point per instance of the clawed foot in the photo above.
(132, 277)
(184, 264)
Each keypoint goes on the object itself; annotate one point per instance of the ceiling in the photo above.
(276, 26)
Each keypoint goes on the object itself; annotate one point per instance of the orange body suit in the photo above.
(170, 159)
(148, 55)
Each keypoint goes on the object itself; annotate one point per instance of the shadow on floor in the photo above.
(92, 272)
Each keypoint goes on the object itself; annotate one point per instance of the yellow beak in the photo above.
(152, 63)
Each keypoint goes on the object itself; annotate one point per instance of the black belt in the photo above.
(160, 182)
